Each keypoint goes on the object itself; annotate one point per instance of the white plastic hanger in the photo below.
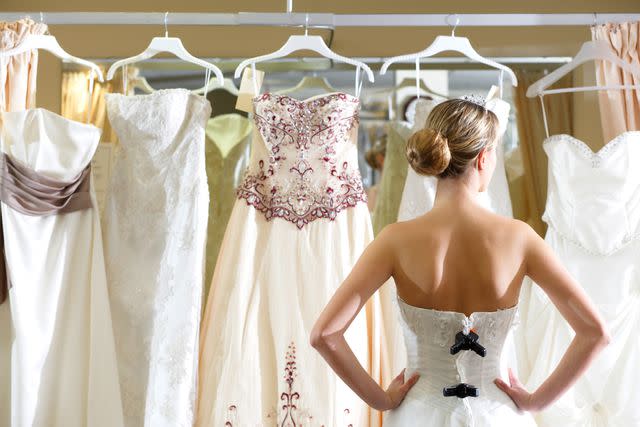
(419, 84)
(597, 50)
(50, 44)
(310, 82)
(450, 43)
(142, 84)
(305, 42)
(213, 84)
(166, 44)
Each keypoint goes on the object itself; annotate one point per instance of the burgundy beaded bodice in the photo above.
(304, 162)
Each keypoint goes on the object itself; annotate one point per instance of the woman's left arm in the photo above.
(372, 270)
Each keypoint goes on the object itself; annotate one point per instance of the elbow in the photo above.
(605, 336)
(600, 335)
(324, 340)
(318, 339)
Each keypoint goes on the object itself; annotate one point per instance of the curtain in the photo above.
(17, 92)
(619, 109)
(78, 103)
(527, 168)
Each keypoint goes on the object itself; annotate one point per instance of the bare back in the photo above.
(459, 257)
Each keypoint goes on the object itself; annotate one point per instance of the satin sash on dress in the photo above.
(32, 193)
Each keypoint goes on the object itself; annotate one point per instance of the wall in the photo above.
(120, 41)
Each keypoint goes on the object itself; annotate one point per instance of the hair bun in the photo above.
(428, 152)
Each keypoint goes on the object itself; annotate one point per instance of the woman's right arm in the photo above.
(591, 334)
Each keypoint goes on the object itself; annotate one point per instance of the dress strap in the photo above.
(125, 78)
(3, 77)
(501, 83)
(358, 87)
(254, 79)
(544, 115)
(417, 78)
(207, 76)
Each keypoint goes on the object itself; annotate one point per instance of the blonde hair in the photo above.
(454, 134)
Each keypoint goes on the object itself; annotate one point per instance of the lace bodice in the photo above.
(304, 160)
(162, 136)
(594, 198)
(429, 335)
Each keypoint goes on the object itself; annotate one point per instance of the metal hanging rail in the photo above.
(327, 20)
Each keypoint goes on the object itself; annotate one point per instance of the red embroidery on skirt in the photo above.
(289, 414)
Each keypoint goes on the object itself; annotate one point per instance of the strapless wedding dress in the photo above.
(430, 338)
(298, 226)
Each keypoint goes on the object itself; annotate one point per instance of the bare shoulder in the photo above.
(514, 227)
(519, 227)
(391, 233)
(523, 236)
(525, 231)
(510, 234)
(396, 235)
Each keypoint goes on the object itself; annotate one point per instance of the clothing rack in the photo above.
(324, 20)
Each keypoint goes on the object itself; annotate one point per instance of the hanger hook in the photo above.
(595, 19)
(166, 21)
(42, 17)
(453, 30)
(306, 24)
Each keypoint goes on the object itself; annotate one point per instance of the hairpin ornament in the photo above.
(476, 99)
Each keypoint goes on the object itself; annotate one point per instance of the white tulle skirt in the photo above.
(469, 412)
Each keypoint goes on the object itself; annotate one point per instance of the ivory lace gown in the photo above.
(64, 370)
(155, 231)
(298, 226)
(593, 214)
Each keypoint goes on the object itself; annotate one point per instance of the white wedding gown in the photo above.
(593, 214)
(429, 335)
(64, 370)
(155, 232)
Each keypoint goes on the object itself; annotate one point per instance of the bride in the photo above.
(458, 270)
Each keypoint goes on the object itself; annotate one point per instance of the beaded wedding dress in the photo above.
(456, 390)
(593, 214)
(299, 224)
(155, 231)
